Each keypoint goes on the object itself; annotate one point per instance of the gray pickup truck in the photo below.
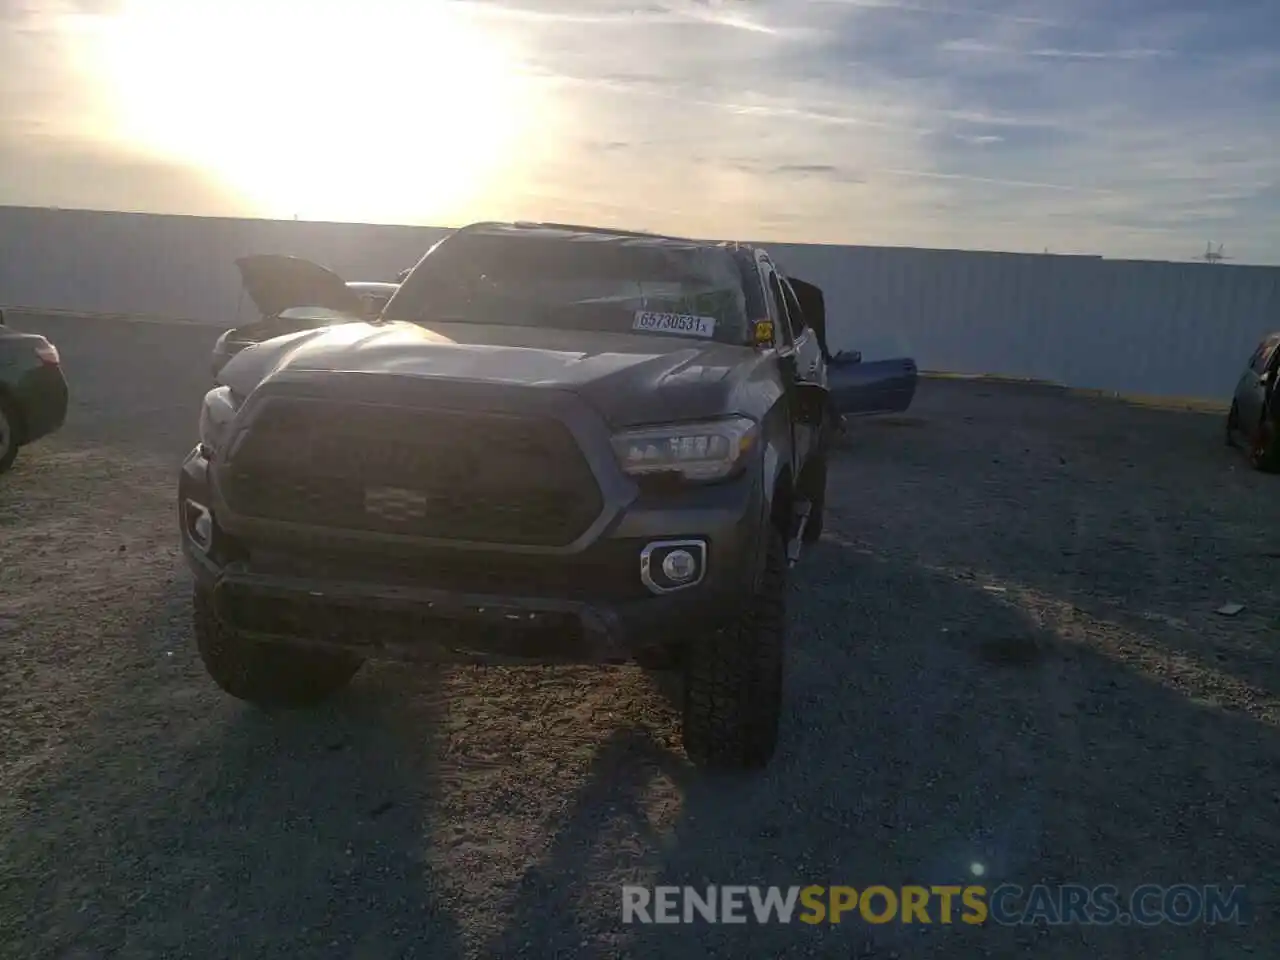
(557, 444)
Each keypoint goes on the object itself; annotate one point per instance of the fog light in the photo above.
(679, 566)
(669, 565)
(198, 523)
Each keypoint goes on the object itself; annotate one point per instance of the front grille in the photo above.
(347, 623)
(607, 572)
(423, 473)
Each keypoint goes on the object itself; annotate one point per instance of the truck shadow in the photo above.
(183, 823)
(911, 755)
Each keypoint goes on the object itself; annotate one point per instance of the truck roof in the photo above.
(588, 234)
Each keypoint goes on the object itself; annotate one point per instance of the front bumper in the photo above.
(42, 396)
(389, 600)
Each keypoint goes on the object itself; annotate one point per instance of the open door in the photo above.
(858, 388)
(813, 306)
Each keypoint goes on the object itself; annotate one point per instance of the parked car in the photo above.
(292, 294)
(373, 294)
(33, 391)
(557, 444)
(1255, 408)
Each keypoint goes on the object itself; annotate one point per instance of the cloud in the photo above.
(1137, 129)
(821, 168)
(993, 181)
(981, 49)
(959, 10)
(1139, 54)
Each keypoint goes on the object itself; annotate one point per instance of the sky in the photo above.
(1142, 128)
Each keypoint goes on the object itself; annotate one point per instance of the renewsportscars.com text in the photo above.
(1008, 904)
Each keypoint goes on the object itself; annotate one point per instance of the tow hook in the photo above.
(796, 543)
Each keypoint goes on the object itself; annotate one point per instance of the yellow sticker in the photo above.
(764, 332)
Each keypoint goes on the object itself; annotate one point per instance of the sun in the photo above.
(322, 110)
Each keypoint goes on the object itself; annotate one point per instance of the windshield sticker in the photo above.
(675, 324)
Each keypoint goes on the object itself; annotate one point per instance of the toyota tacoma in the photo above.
(557, 444)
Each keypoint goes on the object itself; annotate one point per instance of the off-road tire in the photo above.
(1233, 424)
(10, 428)
(1264, 446)
(266, 674)
(733, 678)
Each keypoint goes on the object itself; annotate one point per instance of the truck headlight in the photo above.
(216, 413)
(711, 450)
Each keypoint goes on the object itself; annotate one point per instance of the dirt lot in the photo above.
(1005, 652)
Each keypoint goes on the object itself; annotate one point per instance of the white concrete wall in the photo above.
(1175, 329)
(175, 266)
(1131, 326)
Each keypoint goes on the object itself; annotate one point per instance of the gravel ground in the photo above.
(1005, 651)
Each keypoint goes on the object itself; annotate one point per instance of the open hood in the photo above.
(275, 283)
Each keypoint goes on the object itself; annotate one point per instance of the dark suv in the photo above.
(558, 444)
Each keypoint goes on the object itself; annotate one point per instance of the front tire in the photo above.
(1264, 446)
(733, 679)
(266, 674)
(1233, 424)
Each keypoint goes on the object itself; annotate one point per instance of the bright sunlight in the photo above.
(411, 114)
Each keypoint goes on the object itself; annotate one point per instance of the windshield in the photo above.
(578, 282)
